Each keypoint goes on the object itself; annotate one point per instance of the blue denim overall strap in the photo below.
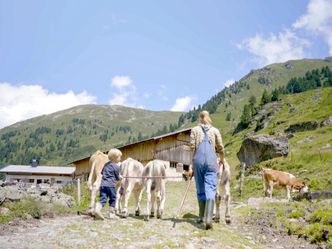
(205, 170)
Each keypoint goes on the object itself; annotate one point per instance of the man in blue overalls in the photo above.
(206, 141)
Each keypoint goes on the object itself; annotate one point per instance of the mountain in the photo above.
(232, 99)
(64, 136)
(71, 134)
(310, 151)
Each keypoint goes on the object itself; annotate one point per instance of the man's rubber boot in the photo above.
(208, 214)
(98, 213)
(201, 205)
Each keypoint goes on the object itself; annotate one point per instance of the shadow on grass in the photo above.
(186, 218)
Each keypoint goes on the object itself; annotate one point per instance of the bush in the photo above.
(27, 206)
(33, 207)
(318, 233)
(296, 214)
(322, 215)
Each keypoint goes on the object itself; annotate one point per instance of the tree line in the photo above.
(212, 104)
(311, 80)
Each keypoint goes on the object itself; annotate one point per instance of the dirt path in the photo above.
(83, 232)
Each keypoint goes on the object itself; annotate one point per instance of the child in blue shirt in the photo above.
(111, 175)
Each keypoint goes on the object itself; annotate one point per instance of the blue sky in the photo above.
(160, 55)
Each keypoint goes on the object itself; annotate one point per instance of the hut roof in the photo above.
(26, 169)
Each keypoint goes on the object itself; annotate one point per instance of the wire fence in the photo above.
(150, 177)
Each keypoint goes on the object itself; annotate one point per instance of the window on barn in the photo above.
(173, 164)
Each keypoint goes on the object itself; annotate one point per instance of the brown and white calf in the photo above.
(129, 169)
(273, 178)
(96, 164)
(154, 177)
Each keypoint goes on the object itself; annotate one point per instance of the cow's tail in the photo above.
(92, 170)
(263, 170)
(153, 173)
(124, 167)
(153, 184)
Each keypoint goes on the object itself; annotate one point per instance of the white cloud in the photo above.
(121, 82)
(287, 44)
(125, 92)
(229, 82)
(284, 46)
(182, 104)
(20, 102)
(318, 20)
(119, 99)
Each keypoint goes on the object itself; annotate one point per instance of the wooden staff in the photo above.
(182, 202)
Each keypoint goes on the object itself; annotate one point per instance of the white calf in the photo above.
(223, 185)
(154, 175)
(130, 168)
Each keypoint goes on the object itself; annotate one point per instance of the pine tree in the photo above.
(275, 95)
(229, 116)
(253, 105)
(246, 116)
(139, 137)
(266, 97)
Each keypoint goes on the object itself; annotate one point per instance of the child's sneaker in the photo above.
(98, 213)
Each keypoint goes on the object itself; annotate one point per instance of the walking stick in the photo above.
(182, 202)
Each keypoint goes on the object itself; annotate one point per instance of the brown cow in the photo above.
(273, 178)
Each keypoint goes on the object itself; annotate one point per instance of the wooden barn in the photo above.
(168, 147)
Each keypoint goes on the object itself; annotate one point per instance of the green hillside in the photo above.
(310, 151)
(64, 136)
(305, 157)
(232, 99)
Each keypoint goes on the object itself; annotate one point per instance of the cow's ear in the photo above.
(306, 181)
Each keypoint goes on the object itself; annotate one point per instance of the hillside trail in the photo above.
(76, 231)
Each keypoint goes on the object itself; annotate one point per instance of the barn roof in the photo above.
(38, 170)
(172, 133)
(146, 140)
(157, 137)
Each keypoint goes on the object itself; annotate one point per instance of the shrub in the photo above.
(296, 214)
(27, 206)
(322, 215)
(318, 233)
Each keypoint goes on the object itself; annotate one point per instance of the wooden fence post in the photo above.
(243, 170)
(78, 192)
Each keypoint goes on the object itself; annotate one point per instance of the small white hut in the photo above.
(38, 174)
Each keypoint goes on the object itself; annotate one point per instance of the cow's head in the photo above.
(302, 186)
